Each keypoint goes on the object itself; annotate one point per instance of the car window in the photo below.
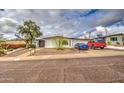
(80, 44)
(100, 40)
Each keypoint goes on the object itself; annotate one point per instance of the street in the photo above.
(96, 69)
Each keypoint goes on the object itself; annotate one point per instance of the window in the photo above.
(114, 39)
(122, 38)
(99, 40)
(65, 42)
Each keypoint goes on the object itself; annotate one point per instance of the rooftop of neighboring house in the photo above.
(118, 34)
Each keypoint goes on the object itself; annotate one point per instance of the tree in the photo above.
(60, 41)
(29, 31)
(2, 48)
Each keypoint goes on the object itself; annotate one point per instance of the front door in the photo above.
(41, 43)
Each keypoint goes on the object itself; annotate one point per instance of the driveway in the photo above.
(77, 70)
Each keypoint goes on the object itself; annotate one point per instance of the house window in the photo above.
(122, 38)
(65, 42)
(113, 38)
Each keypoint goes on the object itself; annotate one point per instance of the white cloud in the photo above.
(7, 25)
(68, 22)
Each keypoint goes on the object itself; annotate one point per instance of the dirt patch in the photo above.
(55, 51)
(89, 52)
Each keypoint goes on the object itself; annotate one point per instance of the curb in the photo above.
(48, 57)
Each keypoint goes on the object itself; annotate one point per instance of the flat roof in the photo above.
(114, 35)
(47, 37)
(108, 36)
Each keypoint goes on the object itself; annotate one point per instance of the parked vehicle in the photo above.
(81, 46)
(76, 45)
(97, 43)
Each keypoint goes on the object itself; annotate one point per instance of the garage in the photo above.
(41, 43)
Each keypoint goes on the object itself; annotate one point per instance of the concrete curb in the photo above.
(115, 49)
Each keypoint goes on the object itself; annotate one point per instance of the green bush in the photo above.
(2, 52)
(109, 42)
(60, 48)
(117, 43)
(10, 49)
(30, 46)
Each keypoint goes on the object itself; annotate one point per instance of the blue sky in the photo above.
(68, 22)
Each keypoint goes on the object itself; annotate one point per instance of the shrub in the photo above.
(2, 52)
(10, 49)
(30, 46)
(60, 48)
(117, 43)
(109, 43)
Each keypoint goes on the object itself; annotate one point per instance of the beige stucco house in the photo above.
(51, 41)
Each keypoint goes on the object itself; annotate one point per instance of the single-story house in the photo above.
(115, 39)
(52, 41)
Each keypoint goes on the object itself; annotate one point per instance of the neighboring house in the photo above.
(116, 39)
(51, 41)
(113, 39)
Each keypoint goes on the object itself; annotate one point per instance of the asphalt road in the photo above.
(97, 70)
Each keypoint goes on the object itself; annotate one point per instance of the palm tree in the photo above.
(29, 31)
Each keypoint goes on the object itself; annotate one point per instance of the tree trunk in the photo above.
(31, 41)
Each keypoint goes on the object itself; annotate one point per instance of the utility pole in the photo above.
(89, 35)
(106, 31)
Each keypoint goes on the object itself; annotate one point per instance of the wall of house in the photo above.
(37, 43)
(51, 43)
(115, 43)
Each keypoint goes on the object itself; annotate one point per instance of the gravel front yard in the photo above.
(89, 52)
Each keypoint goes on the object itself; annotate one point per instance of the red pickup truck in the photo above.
(97, 43)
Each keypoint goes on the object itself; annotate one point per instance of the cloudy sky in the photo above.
(54, 22)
